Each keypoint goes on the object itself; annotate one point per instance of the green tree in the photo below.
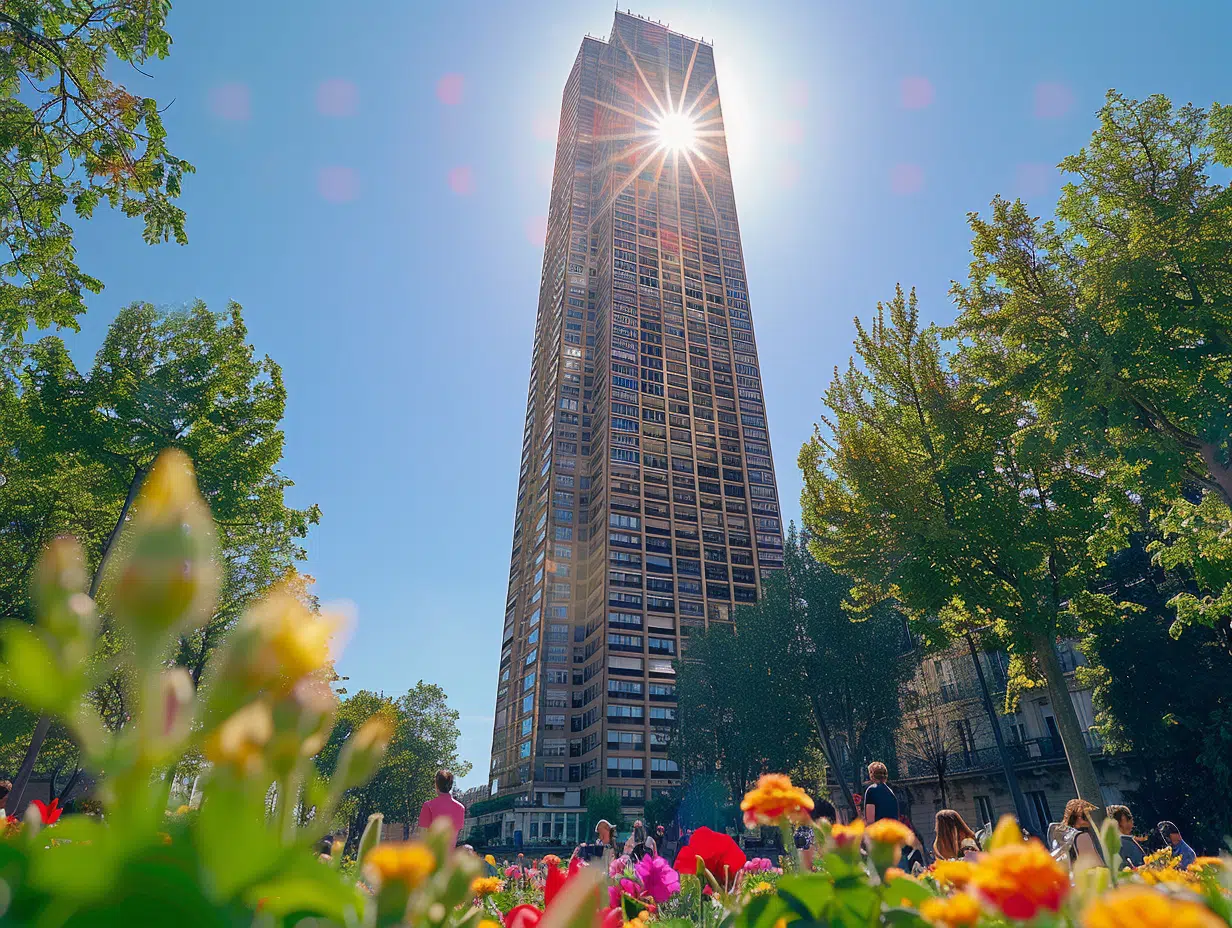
(794, 676)
(81, 445)
(425, 740)
(604, 804)
(1164, 702)
(1114, 321)
(950, 497)
(70, 136)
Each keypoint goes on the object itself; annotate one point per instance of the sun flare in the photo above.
(677, 132)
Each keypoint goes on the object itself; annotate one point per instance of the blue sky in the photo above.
(372, 181)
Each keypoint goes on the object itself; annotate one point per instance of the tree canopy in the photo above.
(942, 491)
(794, 677)
(72, 137)
(425, 740)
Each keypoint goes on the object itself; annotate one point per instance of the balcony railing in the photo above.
(1030, 751)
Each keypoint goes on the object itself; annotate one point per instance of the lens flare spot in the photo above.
(450, 89)
(916, 93)
(1053, 100)
(337, 184)
(906, 179)
(337, 98)
(462, 180)
(231, 101)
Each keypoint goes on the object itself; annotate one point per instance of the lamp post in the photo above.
(1026, 815)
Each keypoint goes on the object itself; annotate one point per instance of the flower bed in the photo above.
(247, 856)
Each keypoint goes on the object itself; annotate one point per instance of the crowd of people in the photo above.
(1073, 838)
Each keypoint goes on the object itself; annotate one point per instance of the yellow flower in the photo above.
(639, 920)
(953, 872)
(408, 863)
(957, 911)
(486, 885)
(1203, 864)
(1163, 856)
(762, 887)
(1170, 875)
(1021, 880)
(1138, 907)
(773, 799)
(889, 831)
(240, 741)
(895, 873)
(181, 810)
(285, 641)
(1005, 834)
(848, 835)
(489, 859)
(488, 923)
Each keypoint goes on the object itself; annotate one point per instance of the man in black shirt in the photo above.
(879, 800)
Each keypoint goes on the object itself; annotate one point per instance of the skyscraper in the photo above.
(647, 505)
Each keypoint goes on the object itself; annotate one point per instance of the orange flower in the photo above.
(1021, 880)
(773, 799)
(953, 872)
(408, 863)
(889, 831)
(846, 836)
(1138, 907)
(551, 860)
(958, 911)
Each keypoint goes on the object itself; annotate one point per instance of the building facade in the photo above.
(647, 504)
(947, 754)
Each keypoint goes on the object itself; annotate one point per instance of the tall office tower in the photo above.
(646, 504)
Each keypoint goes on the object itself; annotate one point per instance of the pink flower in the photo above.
(513, 873)
(617, 866)
(758, 865)
(659, 880)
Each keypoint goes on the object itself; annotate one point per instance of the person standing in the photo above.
(1086, 845)
(1131, 851)
(444, 806)
(955, 840)
(1172, 835)
(640, 844)
(6, 787)
(879, 800)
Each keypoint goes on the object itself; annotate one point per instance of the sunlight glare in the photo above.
(677, 132)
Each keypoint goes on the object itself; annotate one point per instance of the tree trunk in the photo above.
(1080, 766)
(97, 580)
(1219, 472)
(945, 800)
(27, 765)
(832, 758)
(44, 722)
(1026, 815)
(68, 787)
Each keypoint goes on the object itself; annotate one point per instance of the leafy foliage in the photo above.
(742, 706)
(424, 740)
(940, 488)
(71, 136)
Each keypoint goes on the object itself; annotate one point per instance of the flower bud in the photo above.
(167, 579)
(176, 691)
(278, 643)
(58, 584)
(240, 741)
(302, 722)
(362, 753)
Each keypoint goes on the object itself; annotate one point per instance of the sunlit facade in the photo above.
(647, 505)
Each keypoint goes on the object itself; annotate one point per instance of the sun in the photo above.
(676, 132)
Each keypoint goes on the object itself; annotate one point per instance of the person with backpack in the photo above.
(640, 844)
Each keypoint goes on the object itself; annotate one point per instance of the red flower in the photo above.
(49, 813)
(721, 854)
(523, 916)
(528, 916)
